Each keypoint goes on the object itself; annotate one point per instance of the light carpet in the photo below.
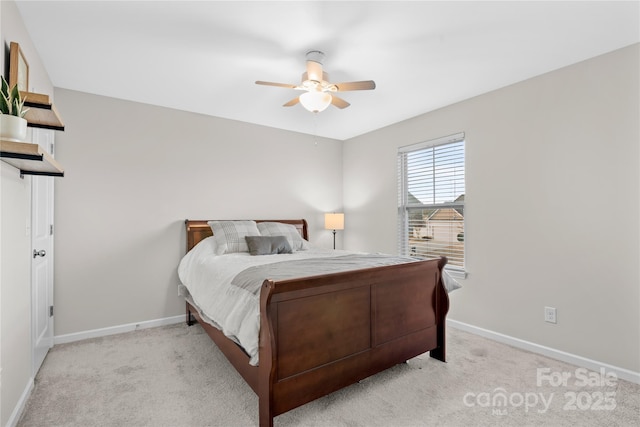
(175, 376)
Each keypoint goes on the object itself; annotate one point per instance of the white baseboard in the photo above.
(103, 332)
(22, 402)
(573, 359)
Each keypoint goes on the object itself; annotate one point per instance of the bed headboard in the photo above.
(199, 229)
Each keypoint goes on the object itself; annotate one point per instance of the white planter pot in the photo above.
(13, 128)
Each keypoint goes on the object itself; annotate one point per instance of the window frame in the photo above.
(405, 206)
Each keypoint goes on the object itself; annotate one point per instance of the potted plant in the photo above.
(13, 126)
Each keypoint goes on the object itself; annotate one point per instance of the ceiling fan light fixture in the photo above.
(318, 88)
(315, 101)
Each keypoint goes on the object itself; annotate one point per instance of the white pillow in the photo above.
(230, 235)
(287, 230)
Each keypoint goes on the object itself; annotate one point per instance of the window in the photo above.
(431, 200)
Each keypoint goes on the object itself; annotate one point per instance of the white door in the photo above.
(42, 256)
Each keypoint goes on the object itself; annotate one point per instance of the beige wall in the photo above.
(549, 161)
(134, 173)
(15, 213)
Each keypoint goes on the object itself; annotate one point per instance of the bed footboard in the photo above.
(323, 333)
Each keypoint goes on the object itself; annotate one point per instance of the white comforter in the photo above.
(235, 311)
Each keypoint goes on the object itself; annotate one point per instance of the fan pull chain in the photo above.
(315, 129)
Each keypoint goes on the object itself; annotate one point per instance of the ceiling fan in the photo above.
(319, 92)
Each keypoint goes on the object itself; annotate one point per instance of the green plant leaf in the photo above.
(5, 87)
(4, 104)
(15, 110)
(10, 101)
(20, 110)
(15, 93)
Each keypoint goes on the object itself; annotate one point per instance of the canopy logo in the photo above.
(499, 400)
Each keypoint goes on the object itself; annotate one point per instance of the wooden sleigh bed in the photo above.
(320, 334)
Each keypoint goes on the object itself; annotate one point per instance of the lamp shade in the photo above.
(315, 101)
(334, 221)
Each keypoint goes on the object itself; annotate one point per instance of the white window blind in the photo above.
(431, 188)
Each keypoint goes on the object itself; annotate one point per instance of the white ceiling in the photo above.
(204, 56)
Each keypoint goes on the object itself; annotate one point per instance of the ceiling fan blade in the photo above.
(314, 71)
(339, 102)
(293, 102)
(363, 85)
(290, 86)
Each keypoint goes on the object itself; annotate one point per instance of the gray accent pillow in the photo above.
(267, 245)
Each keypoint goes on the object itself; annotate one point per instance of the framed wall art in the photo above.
(18, 68)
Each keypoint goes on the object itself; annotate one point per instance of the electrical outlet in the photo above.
(550, 315)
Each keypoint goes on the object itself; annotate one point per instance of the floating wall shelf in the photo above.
(42, 113)
(29, 158)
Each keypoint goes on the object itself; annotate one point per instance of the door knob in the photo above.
(39, 253)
